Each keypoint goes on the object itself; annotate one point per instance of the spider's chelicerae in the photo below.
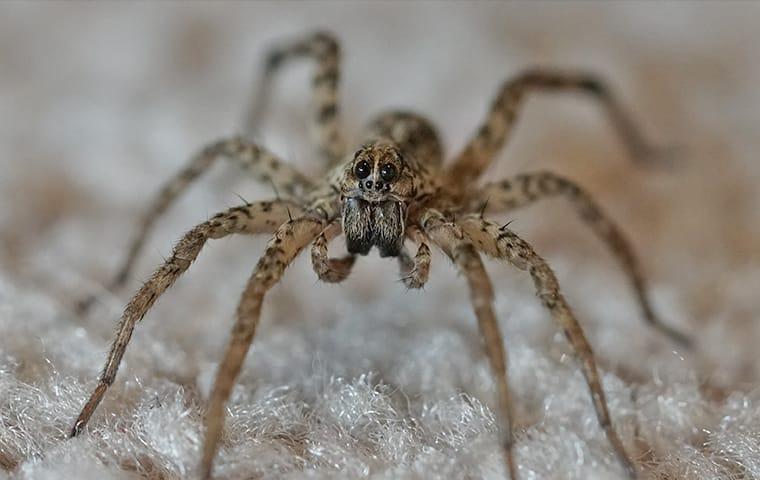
(393, 187)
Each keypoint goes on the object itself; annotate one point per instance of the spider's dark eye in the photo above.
(362, 169)
(388, 172)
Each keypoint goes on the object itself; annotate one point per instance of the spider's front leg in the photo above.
(454, 243)
(262, 164)
(254, 218)
(325, 50)
(288, 241)
(526, 189)
(500, 242)
(494, 132)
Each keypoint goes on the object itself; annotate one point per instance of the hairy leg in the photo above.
(502, 243)
(260, 217)
(525, 189)
(324, 49)
(415, 271)
(262, 164)
(330, 270)
(493, 134)
(287, 242)
(452, 240)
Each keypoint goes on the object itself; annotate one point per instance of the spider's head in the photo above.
(375, 187)
(377, 173)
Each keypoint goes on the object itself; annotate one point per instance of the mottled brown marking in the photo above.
(543, 185)
(183, 254)
(504, 244)
(493, 134)
(420, 202)
(324, 50)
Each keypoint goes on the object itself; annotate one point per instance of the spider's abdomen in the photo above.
(412, 133)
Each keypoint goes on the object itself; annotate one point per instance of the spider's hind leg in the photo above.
(494, 132)
(324, 49)
(526, 189)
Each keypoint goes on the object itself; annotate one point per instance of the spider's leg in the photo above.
(528, 188)
(502, 243)
(330, 270)
(287, 242)
(415, 271)
(454, 243)
(494, 132)
(262, 164)
(260, 217)
(324, 49)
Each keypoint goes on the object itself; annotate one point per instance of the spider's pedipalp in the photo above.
(259, 217)
(450, 238)
(262, 164)
(330, 270)
(325, 50)
(415, 271)
(524, 189)
(492, 135)
(502, 243)
(285, 245)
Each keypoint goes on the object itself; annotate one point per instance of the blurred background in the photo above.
(102, 102)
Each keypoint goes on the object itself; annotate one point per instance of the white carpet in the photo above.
(99, 103)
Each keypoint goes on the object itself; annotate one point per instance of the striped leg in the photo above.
(260, 217)
(259, 162)
(330, 270)
(287, 242)
(415, 271)
(323, 48)
(499, 242)
(528, 188)
(452, 240)
(493, 134)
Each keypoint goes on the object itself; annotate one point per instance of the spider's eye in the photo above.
(362, 169)
(388, 172)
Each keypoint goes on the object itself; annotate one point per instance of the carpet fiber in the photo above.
(99, 103)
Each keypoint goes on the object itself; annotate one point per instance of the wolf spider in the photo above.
(393, 187)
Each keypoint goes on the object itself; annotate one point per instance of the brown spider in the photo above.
(393, 187)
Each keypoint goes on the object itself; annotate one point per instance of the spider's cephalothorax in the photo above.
(395, 167)
(394, 188)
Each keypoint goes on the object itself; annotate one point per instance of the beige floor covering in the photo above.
(99, 103)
